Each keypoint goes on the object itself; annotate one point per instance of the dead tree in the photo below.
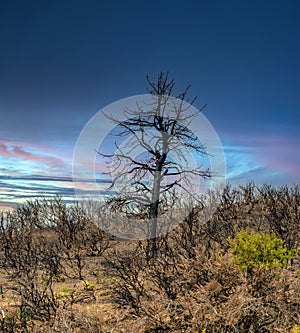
(161, 129)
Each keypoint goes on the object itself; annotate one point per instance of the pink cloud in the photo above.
(3, 150)
(275, 151)
(281, 156)
(19, 152)
(46, 156)
(35, 146)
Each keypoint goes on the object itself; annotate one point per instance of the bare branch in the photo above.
(161, 129)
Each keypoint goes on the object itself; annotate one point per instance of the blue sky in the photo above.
(63, 61)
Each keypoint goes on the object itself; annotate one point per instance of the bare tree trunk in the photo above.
(154, 214)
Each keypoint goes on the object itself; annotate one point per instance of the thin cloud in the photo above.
(275, 156)
(21, 188)
(54, 179)
(4, 150)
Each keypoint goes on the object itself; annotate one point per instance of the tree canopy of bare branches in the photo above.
(155, 160)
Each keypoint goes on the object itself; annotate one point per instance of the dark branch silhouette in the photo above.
(161, 129)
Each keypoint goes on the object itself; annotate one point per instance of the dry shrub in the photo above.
(191, 285)
(228, 302)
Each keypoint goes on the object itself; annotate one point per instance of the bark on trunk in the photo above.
(154, 213)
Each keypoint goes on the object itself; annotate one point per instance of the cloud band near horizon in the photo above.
(30, 171)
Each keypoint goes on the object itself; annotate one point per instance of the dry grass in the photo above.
(56, 276)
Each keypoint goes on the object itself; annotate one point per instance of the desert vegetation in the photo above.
(238, 271)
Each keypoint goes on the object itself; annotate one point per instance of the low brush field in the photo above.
(59, 272)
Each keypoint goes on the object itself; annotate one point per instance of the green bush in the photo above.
(252, 249)
(296, 329)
